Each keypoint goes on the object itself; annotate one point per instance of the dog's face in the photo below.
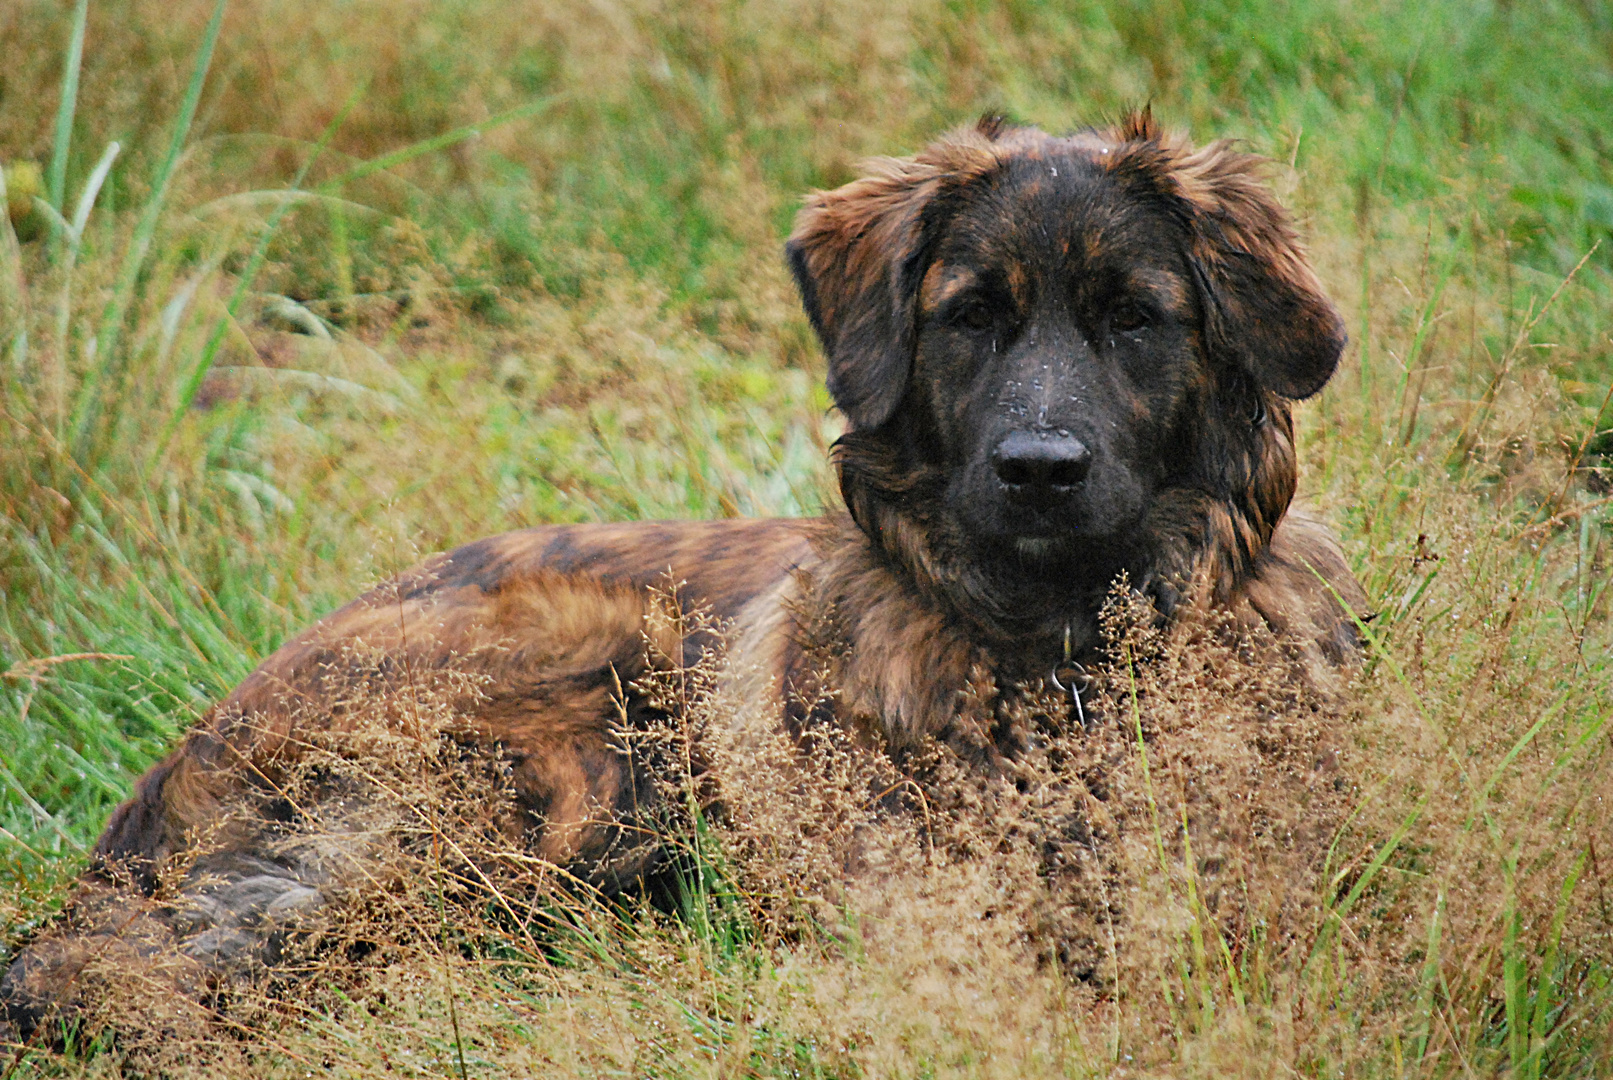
(1050, 349)
(1056, 346)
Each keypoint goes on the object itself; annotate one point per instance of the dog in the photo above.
(1062, 361)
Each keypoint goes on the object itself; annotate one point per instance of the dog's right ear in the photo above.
(858, 254)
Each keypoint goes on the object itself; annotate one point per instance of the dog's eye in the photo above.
(974, 315)
(1127, 318)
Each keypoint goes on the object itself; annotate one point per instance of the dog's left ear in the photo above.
(1262, 302)
(858, 254)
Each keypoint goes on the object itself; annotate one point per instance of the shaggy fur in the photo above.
(1061, 359)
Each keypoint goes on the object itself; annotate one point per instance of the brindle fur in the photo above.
(1116, 287)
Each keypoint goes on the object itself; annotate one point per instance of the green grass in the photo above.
(367, 280)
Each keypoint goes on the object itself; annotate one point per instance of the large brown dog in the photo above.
(1060, 359)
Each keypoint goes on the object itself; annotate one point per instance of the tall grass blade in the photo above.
(198, 374)
(86, 407)
(1425, 323)
(1517, 748)
(64, 303)
(13, 290)
(439, 142)
(91, 192)
(1334, 915)
(1476, 420)
(59, 225)
(1545, 999)
(1514, 970)
(1430, 982)
(61, 143)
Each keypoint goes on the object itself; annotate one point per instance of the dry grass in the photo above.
(1214, 874)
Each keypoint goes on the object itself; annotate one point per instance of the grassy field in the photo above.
(293, 292)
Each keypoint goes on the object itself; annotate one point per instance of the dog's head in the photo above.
(1042, 345)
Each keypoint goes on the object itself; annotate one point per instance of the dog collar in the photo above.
(1075, 678)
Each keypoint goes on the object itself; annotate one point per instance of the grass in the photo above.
(366, 280)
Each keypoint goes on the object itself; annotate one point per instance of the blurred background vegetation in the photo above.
(363, 279)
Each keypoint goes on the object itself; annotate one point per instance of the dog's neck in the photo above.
(898, 655)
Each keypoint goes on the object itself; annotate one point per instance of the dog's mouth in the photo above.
(1044, 566)
(1031, 533)
(1042, 541)
(1046, 524)
(1052, 542)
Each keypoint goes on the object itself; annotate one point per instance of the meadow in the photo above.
(292, 293)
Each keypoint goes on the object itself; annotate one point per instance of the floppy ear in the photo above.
(1262, 302)
(858, 254)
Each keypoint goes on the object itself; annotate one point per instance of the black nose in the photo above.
(1027, 460)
